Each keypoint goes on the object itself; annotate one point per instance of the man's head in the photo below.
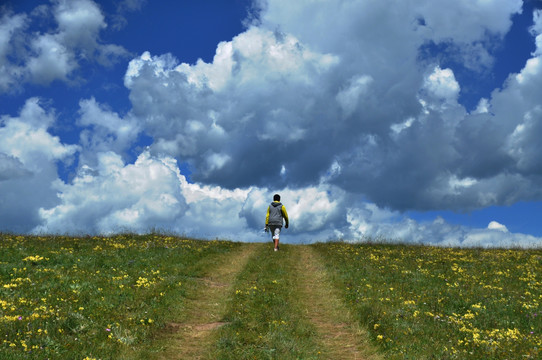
(276, 197)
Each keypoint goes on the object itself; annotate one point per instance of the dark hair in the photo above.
(276, 197)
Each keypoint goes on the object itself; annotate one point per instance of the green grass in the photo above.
(111, 297)
(73, 298)
(423, 302)
(265, 320)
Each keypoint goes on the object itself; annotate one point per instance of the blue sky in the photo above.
(372, 119)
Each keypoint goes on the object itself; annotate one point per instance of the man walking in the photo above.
(276, 213)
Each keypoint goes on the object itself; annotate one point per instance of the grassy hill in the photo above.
(157, 296)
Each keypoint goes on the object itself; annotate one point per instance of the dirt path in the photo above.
(191, 337)
(336, 333)
(340, 336)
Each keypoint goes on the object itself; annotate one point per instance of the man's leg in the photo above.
(276, 236)
(272, 231)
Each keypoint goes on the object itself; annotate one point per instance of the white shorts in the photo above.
(275, 231)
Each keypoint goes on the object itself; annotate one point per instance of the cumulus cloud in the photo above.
(104, 130)
(115, 197)
(11, 167)
(207, 113)
(151, 193)
(370, 223)
(79, 26)
(79, 23)
(51, 60)
(310, 99)
(494, 225)
(27, 139)
(42, 57)
(28, 157)
(424, 18)
(10, 26)
(442, 85)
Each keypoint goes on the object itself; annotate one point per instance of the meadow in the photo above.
(112, 297)
(96, 297)
(422, 302)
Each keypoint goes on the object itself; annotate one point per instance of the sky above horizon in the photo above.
(414, 121)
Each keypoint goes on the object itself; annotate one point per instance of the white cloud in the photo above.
(28, 157)
(441, 83)
(104, 130)
(10, 26)
(79, 25)
(482, 107)
(79, 22)
(531, 70)
(492, 238)
(216, 161)
(536, 30)
(198, 111)
(51, 60)
(131, 5)
(493, 225)
(26, 138)
(240, 62)
(523, 145)
(388, 30)
(11, 167)
(115, 197)
(151, 193)
(47, 55)
(290, 87)
(94, 114)
(476, 18)
(368, 222)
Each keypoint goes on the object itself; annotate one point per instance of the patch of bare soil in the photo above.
(340, 336)
(191, 337)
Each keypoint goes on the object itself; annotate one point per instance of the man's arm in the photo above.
(285, 216)
(267, 217)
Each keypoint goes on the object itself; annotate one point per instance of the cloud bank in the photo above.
(349, 117)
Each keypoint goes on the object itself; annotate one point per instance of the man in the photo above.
(276, 213)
